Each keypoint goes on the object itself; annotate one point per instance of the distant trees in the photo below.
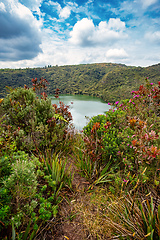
(109, 81)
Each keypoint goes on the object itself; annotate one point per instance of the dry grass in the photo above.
(87, 207)
(93, 220)
(98, 214)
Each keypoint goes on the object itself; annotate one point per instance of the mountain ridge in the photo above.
(109, 81)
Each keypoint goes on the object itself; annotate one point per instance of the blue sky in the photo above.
(37, 33)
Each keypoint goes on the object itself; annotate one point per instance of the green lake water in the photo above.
(82, 107)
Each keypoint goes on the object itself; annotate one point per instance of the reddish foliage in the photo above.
(57, 92)
(44, 95)
(63, 110)
(93, 148)
(107, 125)
(95, 127)
(42, 84)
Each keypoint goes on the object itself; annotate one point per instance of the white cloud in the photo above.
(147, 3)
(110, 41)
(19, 32)
(32, 4)
(153, 37)
(85, 33)
(60, 52)
(65, 12)
(82, 32)
(56, 5)
(116, 24)
(2, 7)
(116, 53)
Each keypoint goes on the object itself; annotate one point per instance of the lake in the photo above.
(82, 107)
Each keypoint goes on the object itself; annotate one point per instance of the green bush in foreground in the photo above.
(30, 186)
(30, 192)
(128, 137)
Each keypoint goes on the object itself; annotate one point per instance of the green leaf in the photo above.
(27, 230)
(13, 232)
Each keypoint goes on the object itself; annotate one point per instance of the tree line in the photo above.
(108, 81)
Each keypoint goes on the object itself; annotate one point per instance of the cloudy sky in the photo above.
(37, 33)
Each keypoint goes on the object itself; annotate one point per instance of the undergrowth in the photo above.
(118, 155)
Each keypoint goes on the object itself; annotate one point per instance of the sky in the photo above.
(38, 33)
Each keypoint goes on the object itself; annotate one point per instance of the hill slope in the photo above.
(108, 81)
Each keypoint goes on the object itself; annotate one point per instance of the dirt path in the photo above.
(70, 225)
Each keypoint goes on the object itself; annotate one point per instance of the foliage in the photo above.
(33, 122)
(134, 218)
(127, 216)
(30, 186)
(108, 81)
(25, 110)
(30, 192)
(118, 152)
(18, 185)
(22, 182)
(128, 136)
(55, 173)
(84, 165)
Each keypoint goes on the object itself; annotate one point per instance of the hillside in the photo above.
(108, 81)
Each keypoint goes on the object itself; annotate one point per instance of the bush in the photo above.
(128, 135)
(34, 122)
(25, 111)
(18, 186)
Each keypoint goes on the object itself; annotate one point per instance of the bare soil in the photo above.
(70, 224)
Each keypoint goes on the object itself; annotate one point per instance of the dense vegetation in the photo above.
(118, 154)
(111, 82)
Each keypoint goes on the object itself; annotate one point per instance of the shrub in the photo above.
(18, 186)
(34, 122)
(22, 182)
(128, 135)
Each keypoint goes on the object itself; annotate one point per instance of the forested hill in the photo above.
(108, 81)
